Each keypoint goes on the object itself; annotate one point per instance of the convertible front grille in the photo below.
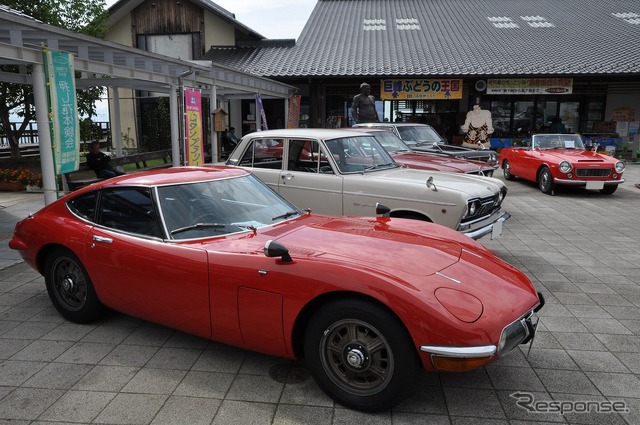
(593, 172)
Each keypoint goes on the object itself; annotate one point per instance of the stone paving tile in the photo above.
(123, 370)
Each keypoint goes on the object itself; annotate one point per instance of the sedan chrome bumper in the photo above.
(495, 228)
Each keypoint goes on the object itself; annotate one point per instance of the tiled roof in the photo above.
(453, 37)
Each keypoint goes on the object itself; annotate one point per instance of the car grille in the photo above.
(488, 206)
(593, 172)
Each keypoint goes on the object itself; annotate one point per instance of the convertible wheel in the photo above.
(70, 288)
(608, 190)
(360, 355)
(545, 181)
(506, 170)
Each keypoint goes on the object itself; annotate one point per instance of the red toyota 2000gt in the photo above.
(561, 160)
(365, 302)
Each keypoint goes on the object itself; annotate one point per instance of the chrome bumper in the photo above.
(495, 228)
(521, 331)
(581, 182)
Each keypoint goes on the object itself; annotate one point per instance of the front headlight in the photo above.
(472, 208)
(564, 167)
(493, 158)
(619, 167)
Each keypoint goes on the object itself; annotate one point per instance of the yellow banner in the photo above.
(421, 89)
(193, 128)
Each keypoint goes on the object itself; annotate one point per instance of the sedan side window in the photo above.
(263, 153)
(130, 210)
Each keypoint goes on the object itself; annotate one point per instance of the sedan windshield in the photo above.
(419, 135)
(391, 142)
(359, 154)
(557, 141)
(216, 207)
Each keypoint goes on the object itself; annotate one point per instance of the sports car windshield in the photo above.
(557, 141)
(359, 154)
(216, 207)
(419, 136)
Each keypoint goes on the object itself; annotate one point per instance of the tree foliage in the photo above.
(88, 17)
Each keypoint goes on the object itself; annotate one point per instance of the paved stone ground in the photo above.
(580, 248)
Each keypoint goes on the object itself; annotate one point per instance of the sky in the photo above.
(271, 18)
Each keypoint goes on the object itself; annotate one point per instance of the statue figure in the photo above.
(477, 127)
(363, 107)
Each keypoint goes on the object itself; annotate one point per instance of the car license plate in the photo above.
(496, 230)
(595, 184)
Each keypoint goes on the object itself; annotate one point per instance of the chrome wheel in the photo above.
(506, 170)
(69, 284)
(545, 181)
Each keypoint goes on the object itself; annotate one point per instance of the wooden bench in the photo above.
(85, 176)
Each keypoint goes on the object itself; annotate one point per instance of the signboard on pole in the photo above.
(293, 120)
(194, 147)
(63, 106)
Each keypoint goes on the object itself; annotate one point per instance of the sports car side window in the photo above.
(130, 210)
(263, 153)
(84, 206)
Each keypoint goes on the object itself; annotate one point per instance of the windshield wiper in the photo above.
(197, 226)
(373, 167)
(285, 215)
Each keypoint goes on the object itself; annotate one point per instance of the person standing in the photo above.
(363, 107)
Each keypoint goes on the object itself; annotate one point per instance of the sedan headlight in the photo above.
(472, 208)
(619, 167)
(493, 158)
(564, 167)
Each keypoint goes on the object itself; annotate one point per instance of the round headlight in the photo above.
(473, 208)
(619, 166)
(564, 167)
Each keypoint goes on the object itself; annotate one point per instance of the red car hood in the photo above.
(361, 241)
(438, 163)
(580, 156)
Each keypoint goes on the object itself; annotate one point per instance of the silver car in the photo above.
(342, 172)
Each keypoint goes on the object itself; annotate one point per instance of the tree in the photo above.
(83, 16)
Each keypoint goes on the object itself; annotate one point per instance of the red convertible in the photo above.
(561, 160)
(365, 302)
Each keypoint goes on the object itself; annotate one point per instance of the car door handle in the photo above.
(102, 239)
(287, 176)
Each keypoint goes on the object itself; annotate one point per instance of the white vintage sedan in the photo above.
(341, 172)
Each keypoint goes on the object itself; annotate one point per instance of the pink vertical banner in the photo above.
(193, 143)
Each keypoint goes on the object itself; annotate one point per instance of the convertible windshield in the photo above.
(211, 208)
(557, 141)
(359, 154)
(419, 135)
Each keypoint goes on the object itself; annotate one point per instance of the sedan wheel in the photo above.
(70, 288)
(506, 170)
(545, 181)
(361, 355)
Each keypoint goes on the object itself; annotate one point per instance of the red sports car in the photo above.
(365, 302)
(561, 160)
(403, 155)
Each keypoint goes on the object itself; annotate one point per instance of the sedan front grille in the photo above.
(593, 172)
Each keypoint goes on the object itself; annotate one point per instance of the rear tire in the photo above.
(361, 355)
(70, 288)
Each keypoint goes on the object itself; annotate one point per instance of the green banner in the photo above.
(63, 106)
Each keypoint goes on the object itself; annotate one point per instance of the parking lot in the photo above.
(581, 249)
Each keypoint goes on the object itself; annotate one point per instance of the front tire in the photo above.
(545, 181)
(70, 288)
(506, 171)
(608, 190)
(361, 355)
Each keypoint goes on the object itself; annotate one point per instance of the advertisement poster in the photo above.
(194, 149)
(431, 88)
(65, 127)
(530, 86)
